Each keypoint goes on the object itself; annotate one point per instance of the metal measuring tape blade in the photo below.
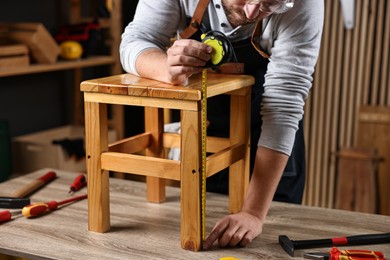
(204, 150)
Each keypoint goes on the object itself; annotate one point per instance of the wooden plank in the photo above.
(191, 179)
(387, 42)
(336, 104)
(313, 200)
(345, 91)
(373, 131)
(322, 164)
(356, 182)
(376, 12)
(214, 144)
(13, 50)
(240, 123)
(98, 184)
(59, 65)
(222, 159)
(140, 101)
(132, 144)
(351, 100)
(376, 71)
(141, 165)
(154, 123)
(384, 85)
(14, 61)
(361, 70)
(221, 83)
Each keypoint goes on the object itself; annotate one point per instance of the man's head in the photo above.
(241, 12)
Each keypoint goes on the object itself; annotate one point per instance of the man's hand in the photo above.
(235, 230)
(186, 57)
(241, 228)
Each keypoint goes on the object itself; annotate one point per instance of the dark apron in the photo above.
(291, 185)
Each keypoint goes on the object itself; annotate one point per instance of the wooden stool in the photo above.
(230, 152)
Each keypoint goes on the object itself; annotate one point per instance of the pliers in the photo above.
(355, 254)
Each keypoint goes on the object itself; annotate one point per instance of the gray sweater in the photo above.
(292, 39)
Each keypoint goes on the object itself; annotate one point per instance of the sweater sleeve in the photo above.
(154, 24)
(294, 52)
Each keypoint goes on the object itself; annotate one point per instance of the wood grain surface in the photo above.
(142, 230)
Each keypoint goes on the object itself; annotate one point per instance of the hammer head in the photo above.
(287, 244)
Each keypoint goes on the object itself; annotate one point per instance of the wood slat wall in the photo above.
(353, 70)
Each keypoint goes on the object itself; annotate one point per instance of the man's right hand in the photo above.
(184, 58)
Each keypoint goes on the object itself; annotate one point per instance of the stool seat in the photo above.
(143, 154)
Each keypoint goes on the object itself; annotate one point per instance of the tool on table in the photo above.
(290, 245)
(7, 215)
(13, 203)
(35, 185)
(354, 254)
(79, 182)
(39, 208)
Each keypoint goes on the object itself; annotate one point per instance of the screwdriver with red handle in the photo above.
(37, 209)
(77, 184)
(40, 208)
(5, 215)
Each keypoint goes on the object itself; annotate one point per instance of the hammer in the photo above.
(290, 245)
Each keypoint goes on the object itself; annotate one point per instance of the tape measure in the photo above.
(222, 48)
(204, 150)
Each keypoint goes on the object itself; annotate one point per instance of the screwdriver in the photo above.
(7, 215)
(77, 184)
(36, 209)
(40, 208)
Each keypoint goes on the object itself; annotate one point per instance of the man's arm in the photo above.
(243, 227)
(180, 61)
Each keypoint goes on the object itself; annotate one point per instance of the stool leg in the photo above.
(154, 123)
(98, 179)
(190, 174)
(239, 133)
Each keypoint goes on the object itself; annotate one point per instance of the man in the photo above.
(290, 32)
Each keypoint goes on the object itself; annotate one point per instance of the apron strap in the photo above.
(195, 20)
(257, 32)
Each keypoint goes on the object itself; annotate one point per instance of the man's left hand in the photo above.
(235, 230)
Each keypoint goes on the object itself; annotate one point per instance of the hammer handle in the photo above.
(34, 185)
(343, 241)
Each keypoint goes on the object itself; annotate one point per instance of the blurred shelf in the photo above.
(60, 65)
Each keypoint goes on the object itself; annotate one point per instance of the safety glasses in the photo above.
(273, 6)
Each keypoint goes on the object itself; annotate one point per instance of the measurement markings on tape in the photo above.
(204, 150)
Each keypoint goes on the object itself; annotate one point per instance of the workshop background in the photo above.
(347, 113)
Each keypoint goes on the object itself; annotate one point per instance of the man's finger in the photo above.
(237, 237)
(227, 236)
(247, 239)
(217, 231)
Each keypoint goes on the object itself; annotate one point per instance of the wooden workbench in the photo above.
(142, 230)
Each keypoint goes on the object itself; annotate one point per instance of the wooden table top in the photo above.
(142, 230)
(131, 85)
